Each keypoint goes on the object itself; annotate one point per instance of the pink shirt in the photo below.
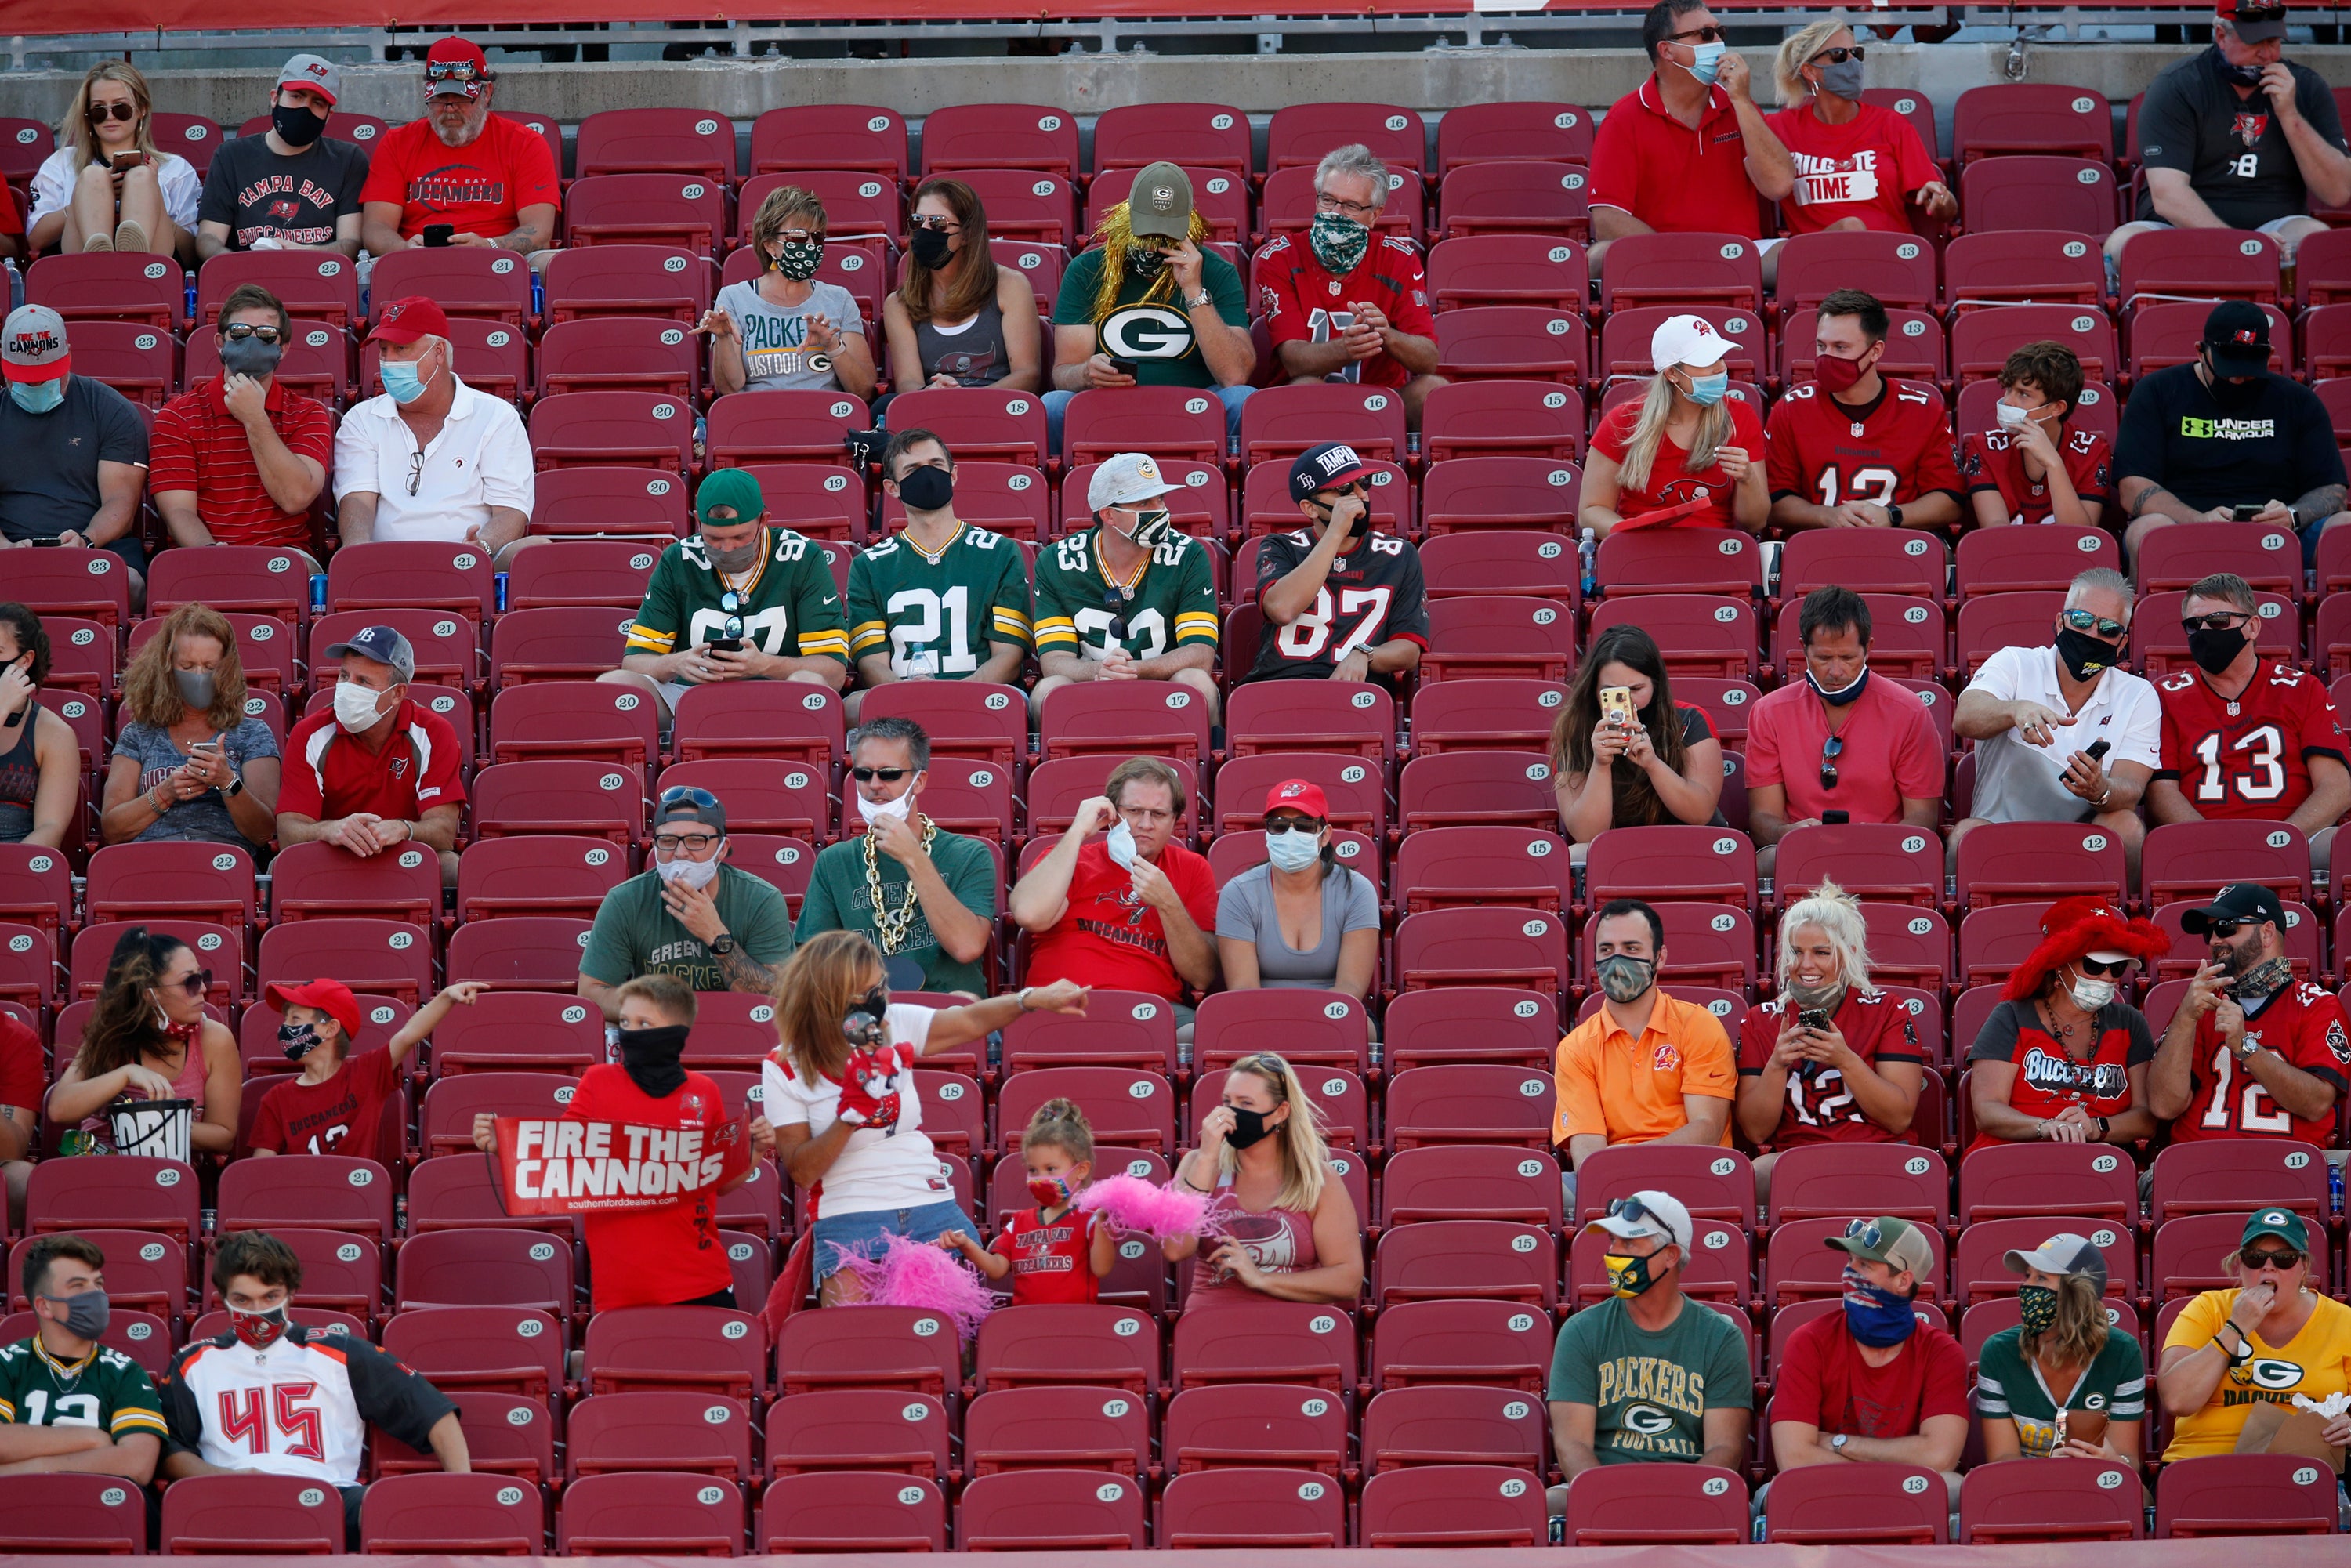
(1278, 1240)
(1892, 752)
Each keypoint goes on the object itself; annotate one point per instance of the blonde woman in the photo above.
(2271, 1336)
(1858, 165)
(841, 1092)
(2061, 1382)
(190, 764)
(1688, 439)
(783, 329)
(958, 319)
(1292, 1233)
(106, 187)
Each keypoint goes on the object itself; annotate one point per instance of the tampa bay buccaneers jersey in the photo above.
(1820, 1106)
(2249, 758)
(952, 605)
(301, 1407)
(783, 605)
(2302, 1023)
(1302, 303)
(1371, 595)
(1988, 460)
(1082, 609)
(1890, 453)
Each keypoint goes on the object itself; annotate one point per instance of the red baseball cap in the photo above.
(455, 67)
(405, 320)
(331, 998)
(2255, 21)
(1298, 795)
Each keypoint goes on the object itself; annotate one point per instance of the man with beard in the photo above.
(1341, 308)
(484, 179)
(2253, 1052)
(290, 187)
(1341, 602)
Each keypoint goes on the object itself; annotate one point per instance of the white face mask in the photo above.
(355, 706)
(1120, 842)
(689, 874)
(1293, 851)
(876, 811)
(2008, 416)
(2091, 993)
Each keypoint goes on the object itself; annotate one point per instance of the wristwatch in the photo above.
(2244, 1049)
(1837, 1443)
(723, 944)
(1204, 298)
(235, 785)
(1893, 516)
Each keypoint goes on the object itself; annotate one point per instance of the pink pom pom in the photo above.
(919, 1275)
(1166, 1213)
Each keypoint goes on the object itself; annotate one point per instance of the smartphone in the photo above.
(1813, 1018)
(726, 644)
(205, 746)
(1617, 705)
(48, 544)
(1123, 367)
(128, 160)
(438, 235)
(2245, 511)
(2097, 748)
(1836, 819)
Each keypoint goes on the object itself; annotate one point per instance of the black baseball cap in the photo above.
(2238, 334)
(2256, 21)
(1325, 467)
(687, 803)
(2239, 904)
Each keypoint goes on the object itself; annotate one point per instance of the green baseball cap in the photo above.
(733, 489)
(2283, 1223)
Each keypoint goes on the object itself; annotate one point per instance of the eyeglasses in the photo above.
(196, 984)
(1352, 488)
(1839, 57)
(2083, 620)
(692, 843)
(415, 471)
(238, 332)
(887, 775)
(1701, 35)
(2279, 1258)
(452, 71)
(1355, 210)
(1831, 749)
(2218, 621)
(2112, 971)
(1868, 1232)
(100, 113)
(2224, 929)
(1307, 825)
(946, 225)
(798, 236)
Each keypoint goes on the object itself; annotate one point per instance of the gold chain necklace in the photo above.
(890, 928)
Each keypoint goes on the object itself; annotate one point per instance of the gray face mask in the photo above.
(249, 356)
(196, 687)
(87, 1312)
(1843, 80)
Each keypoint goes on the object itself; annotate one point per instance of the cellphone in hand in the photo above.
(127, 160)
(1812, 1018)
(48, 543)
(1836, 819)
(726, 644)
(438, 235)
(1122, 366)
(1617, 705)
(2246, 511)
(205, 746)
(2097, 748)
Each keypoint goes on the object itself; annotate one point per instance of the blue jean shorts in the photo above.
(863, 1232)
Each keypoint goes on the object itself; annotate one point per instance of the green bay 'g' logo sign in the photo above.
(2273, 1374)
(1146, 332)
(1647, 1420)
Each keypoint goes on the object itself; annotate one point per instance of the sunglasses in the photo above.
(2219, 621)
(452, 71)
(2279, 1258)
(1307, 825)
(1633, 1211)
(238, 332)
(1698, 35)
(688, 794)
(887, 775)
(932, 221)
(1839, 57)
(1831, 749)
(1868, 1232)
(1115, 603)
(2083, 620)
(2224, 929)
(2113, 971)
(196, 984)
(100, 113)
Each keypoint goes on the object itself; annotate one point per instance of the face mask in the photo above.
(401, 381)
(2263, 980)
(1338, 243)
(1706, 59)
(2085, 656)
(684, 873)
(1627, 1277)
(1249, 1127)
(294, 124)
(1876, 1318)
(196, 687)
(743, 558)
(1150, 528)
(1837, 374)
(925, 489)
(2243, 76)
(298, 1040)
(2090, 993)
(1291, 851)
(1844, 696)
(355, 706)
(38, 397)
(1051, 1192)
(2008, 416)
(1119, 842)
(1842, 80)
(929, 248)
(876, 811)
(1708, 391)
(1625, 978)
(799, 262)
(1144, 262)
(259, 1330)
(249, 357)
(2215, 651)
(1825, 997)
(2234, 396)
(2037, 1306)
(87, 1314)
(648, 1056)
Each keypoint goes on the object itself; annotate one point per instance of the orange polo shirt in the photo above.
(1630, 1091)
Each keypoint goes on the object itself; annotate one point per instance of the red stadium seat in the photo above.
(2044, 559)
(1990, 621)
(1518, 197)
(610, 572)
(1506, 269)
(93, 585)
(1215, 1429)
(1699, 634)
(1886, 561)
(385, 957)
(1683, 269)
(1353, 718)
(1876, 860)
(1310, 1028)
(560, 797)
(116, 285)
(1302, 132)
(2170, 332)
(1979, 1267)
(317, 363)
(2242, 1494)
(129, 1191)
(2188, 1250)
(1056, 788)
(1471, 788)
(1032, 206)
(1512, 342)
(1657, 1505)
(1356, 800)
(1992, 942)
(1195, 135)
(1170, 422)
(655, 141)
(983, 422)
(636, 430)
(678, 210)
(1470, 1181)
(2008, 862)
(791, 425)
(585, 719)
(2032, 117)
(867, 1346)
(1492, 635)
(465, 281)
(1715, 561)
(1537, 421)
(852, 1512)
(2023, 265)
(1898, 270)
(830, 136)
(1484, 1343)
(1515, 1028)
(858, 204)
(619, 353)
(1157, 718)
(250, 1512)
(484, 1268)
(535, 953)
(1475, 494)
(1624, 339)
(1982, 341)
(1437, 1506)
(480, 1515)
(1282, 422)
(972, 136)
(1220, 196)
(2233, 1176)
(1714, 1182)
(85, 1514)
(698, 1432)
(1010, 1430)
(2325, 336)
(2193, 861)
(649, 1514)
(1009, 499)
(494, 1349)
(167, 881)
(504, 1031)
(2159, 647)
(1273, 1510)
(598, 500)
(134, 358)
(1486, 716)
(1799, 1265)
(1122, 1029)
(1470, 1104)
(1523, 132)
(788, 722)
(857, 1430)
(1885, 1504)
(1129, 1108)
(1253, 1342)
(2004, 1180)
(1466, 1260)
(2323, 269)
(310, 286)
(1050, 1509)
(1414, 1426)
(1490, 562)
(1701, 864)
(2203, 264)
(1514, 947)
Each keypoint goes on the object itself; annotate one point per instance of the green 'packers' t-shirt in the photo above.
(1078, 610)
(636, 935)
(1652, 1390)
(841, 899)
(1149, 325)
(785, 604)
(972, 593)
(107, 1390)
(2008, 1385)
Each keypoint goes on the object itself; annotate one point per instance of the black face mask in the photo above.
(298, 1040)
(648, 1056)
(295, 125)
(2215, 651)
(1851, 693)
(1249, 1127)
(864, 1024)
(924, 489)
(929, 248)
(2085, 658)
(2243, 76)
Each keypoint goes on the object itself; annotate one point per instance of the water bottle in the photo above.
(2333, 1187)
(921, 665)
(499, 580)
(318, 593)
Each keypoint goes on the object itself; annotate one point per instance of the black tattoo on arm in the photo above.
(2318, 504)
(745, 972)
(2140, 500)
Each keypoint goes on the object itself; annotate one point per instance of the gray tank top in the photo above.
(973, 353)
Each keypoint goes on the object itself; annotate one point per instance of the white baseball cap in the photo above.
(1129, 478)
(1647, 1213)
(1685, 340)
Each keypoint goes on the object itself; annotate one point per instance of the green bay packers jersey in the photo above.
(107, 1390)
(786, 604)
(939, 610)
(1080, 610)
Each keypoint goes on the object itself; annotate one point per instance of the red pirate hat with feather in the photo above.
(2075, 927)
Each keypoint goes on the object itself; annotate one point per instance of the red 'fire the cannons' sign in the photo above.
(560, 1166)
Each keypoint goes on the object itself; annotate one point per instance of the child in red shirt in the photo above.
(336, 1105)
(1054, 1252)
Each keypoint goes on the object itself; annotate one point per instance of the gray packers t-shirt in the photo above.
(775, 340)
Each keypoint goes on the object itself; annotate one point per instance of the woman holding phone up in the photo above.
(1625, 755)
(107, 188)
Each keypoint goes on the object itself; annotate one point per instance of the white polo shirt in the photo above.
(480, 459)
(2019, 782)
